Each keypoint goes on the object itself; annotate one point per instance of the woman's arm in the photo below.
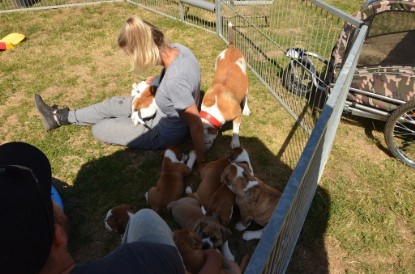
(191, 115)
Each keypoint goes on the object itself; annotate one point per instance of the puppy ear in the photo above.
(226, 174)
(153, 90)
(226, 233)
(122, 222)
(196, 240)
(247, 174)
(234, 152)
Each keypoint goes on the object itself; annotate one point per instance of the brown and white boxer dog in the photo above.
(189, 244)
(188, 214)
(213, 195)
(118, 217)
(144, 102)
(255, 199)
(170, 185)
(228, 91)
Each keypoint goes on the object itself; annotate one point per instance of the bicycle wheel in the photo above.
(296, 79)
(400, 133)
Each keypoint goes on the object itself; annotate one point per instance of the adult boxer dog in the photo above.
(118, 217)
(189, 244)
(213, 195)
(144, 102)
(188, 214)
(255, 199)
(228, 91)
(170, 184)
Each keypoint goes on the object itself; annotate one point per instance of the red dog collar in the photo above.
(210, 119)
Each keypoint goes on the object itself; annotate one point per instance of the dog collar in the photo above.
(212, 120)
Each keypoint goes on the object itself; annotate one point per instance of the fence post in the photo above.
(218, 11)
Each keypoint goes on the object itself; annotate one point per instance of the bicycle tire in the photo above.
(399, 133)
(296, 80)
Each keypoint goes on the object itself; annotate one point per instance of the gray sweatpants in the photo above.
(147, 225)
(112, 124)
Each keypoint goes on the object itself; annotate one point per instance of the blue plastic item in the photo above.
(56, 197)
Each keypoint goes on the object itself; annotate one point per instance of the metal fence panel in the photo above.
(277, 244)
(269, 32)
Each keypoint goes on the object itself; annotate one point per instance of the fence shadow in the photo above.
(124, 177)
(310, 254)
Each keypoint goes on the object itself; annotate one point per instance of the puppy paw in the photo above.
(251, 235)
(192, 159)
(136, 119)
(226, 252)
(240, 226)
(235, 141)
(188, 190)
(246, 111)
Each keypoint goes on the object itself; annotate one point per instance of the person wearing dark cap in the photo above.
(34, 230)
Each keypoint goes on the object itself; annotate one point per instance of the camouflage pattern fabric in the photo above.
(392, 81)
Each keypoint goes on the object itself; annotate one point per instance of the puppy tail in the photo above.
(231, 33)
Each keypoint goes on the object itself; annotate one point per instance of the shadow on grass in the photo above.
(369, 126)
(126, 175)
(310, 254)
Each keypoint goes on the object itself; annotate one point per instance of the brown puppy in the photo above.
(144, 103)
(228, 91)
(188, 214)
(212, 193)
(171, 181)
(118, 217)
(210, 198)
(189, 245)
(255, 199)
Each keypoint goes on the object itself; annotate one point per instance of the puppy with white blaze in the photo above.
(118, 217)
(144, 102)
(255, 199)
(228, 91)
(188, 214)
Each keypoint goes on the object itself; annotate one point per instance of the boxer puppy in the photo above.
(144, 103)
(213, 195)
(208, 194)
(170, 184)
(187, 213)
(189, 244)
(255, 199)
(228, 91)
(118, 217)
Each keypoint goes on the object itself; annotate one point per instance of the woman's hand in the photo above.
(150, 79)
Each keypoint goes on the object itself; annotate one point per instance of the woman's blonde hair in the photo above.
(142, 41)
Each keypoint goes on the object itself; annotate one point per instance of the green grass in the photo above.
(361, 220)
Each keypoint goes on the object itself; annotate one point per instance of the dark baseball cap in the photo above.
(26, 213)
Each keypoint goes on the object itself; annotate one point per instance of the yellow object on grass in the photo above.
(11, 40)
